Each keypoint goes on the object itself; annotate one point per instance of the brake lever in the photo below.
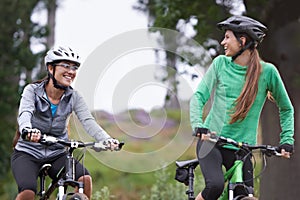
(270, 151)
(105, 147)
(48, 139)
(100, 146)
(121, 144)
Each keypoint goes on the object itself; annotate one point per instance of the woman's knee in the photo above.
(26, 195)
(213, 190)
(85, 178)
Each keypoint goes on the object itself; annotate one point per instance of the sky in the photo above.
(86, 25)
(102, 29)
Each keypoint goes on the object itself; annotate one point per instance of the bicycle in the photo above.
(236, 188)
(66, 176)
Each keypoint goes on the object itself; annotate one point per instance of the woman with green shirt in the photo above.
(239, 82)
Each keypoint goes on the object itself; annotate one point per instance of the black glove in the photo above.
(26, 132)
(199, 131)
(287, 147)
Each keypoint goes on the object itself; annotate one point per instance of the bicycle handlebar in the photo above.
(45, 139)
(265, 149)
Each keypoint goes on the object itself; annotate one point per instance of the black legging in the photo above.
(25, 169)
(211, 159)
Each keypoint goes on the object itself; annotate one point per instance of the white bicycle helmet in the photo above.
(59, 53)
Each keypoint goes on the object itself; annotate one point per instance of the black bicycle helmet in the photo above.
(242, 24)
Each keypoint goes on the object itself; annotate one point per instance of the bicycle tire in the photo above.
(243, 197)
(78, 196)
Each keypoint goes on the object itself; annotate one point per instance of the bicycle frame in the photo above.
(66, 176)
(64, 180)
(233, 176)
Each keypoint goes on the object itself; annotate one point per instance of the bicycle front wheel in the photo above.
(243, 197)
(78, 196)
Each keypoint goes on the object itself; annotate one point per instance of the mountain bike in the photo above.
(236, 188)
(66, 176)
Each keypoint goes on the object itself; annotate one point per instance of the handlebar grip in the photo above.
(24, 133)
(121, 144)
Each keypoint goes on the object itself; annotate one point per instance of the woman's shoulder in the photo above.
(268, 67)
(34, 86)
(75, 94)
(222, 59)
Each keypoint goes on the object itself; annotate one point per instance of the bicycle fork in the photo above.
(69, 178)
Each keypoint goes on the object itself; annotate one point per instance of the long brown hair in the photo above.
(244, 102)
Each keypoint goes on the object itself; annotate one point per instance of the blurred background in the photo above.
(29, 28)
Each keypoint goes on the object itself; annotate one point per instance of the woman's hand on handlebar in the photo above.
(285, 154)
(31, 134)
(204, 133)
(112, 143)
(286, 150)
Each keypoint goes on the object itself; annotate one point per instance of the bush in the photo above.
(103, 194)
(165, 189)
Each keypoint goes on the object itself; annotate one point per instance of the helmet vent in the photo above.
(236, 22)
(57, 53)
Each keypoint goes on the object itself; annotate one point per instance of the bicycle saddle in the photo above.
(186, 163)
(44, 170)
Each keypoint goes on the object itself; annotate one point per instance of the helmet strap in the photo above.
(247, 46)
(55, 84)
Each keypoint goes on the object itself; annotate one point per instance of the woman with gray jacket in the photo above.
(45, 108)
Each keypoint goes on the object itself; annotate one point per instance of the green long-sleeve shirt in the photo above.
(225, 80)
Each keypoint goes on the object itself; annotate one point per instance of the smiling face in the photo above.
(230, 43)
(65, 72)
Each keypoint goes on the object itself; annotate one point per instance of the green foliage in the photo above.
(17, 30)
(103, 194)
(163, 189)
(175, 115)
(167, 14)
(166, 188)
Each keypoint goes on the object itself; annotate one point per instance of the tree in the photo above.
(167, 14)
(17, 61)
(280, 47)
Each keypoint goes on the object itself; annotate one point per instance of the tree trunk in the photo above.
(171, 99)
(280, 179)
(51, 7)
